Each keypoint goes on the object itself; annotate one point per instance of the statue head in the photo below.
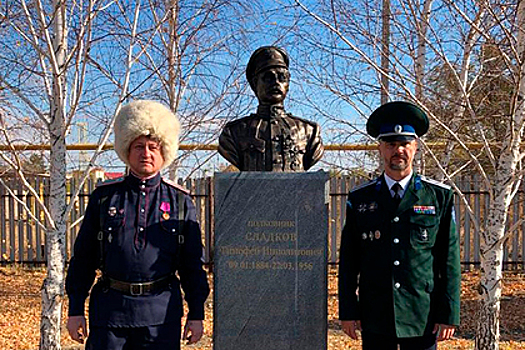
(268, 74)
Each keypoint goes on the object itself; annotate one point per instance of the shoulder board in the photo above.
(363, 185)
(176, 186)
(306, 121)
(434, 182)
(111, 181)
(239, 120)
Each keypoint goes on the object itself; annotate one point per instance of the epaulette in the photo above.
(239, 120)
(434, 182)
(176, 186)
(306, 121)
(110, 181)
(363, 185)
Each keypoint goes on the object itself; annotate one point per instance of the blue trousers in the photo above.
(160, 337)
(372, 341)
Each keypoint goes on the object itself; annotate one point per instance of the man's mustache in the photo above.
(398, 156)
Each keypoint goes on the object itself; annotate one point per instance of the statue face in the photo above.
(272, 85)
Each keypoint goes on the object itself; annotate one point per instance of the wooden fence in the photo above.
(23, 241)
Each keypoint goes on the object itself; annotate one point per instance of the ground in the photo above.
(20, 313)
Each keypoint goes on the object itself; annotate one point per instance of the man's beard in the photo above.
(399, 166)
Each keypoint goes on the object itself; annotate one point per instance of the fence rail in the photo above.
(22, 240)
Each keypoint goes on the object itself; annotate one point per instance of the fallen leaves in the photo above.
(20, 313)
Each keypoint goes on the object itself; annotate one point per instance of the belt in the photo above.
(138, 288)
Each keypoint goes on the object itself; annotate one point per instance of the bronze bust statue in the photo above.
(270, 139)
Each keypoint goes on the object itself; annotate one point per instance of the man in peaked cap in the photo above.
(270, 139)
(399, 271)
(141, 233)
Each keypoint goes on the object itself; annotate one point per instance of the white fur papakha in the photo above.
(147, 118)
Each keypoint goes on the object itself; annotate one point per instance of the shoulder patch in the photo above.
(176, 186)
(110, 182)
(363, 185)
(435, 183)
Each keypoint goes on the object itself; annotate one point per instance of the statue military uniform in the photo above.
(271, 139)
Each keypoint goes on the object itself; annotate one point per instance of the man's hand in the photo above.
(193, 331)
(445, 331)
(350, 328)
(76, 326)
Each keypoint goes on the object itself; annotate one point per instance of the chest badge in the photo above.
(424, 235)
(377, 234)
(112, 211)
(372, 207)
(362, 207)
(165, 208)
(425, 209)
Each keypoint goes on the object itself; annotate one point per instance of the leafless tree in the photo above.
(463, 62)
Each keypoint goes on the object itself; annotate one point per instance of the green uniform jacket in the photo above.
(399, 269)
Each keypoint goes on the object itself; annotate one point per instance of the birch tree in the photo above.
(68, 61)
(46, 83)
(443, 57)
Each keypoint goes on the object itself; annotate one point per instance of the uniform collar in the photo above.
(151, 182)
(270, 111)
(403, 182)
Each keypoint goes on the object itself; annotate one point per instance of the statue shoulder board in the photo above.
(111, 181)
(237, 121)
(306, 121)
(435, 183)
(176, 186)
(363, 185)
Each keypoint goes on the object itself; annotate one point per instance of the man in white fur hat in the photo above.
(141, 233)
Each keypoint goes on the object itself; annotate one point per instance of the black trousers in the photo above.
(372, 341)
(160, 337)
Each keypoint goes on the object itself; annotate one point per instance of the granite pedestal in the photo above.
(270, 261)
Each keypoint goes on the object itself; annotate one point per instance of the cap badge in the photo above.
(398, 129)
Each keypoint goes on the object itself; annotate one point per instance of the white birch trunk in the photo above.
(421, 51)
(53, 286)
(507, 179)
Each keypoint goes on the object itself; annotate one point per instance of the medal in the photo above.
(425, 209)
(165, 208)
(372, 207)
(377, 234)
(364, 236)
(362, 208)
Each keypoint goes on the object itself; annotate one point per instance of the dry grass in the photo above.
(20, 309)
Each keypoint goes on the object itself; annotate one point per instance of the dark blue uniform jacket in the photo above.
(140, 227)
